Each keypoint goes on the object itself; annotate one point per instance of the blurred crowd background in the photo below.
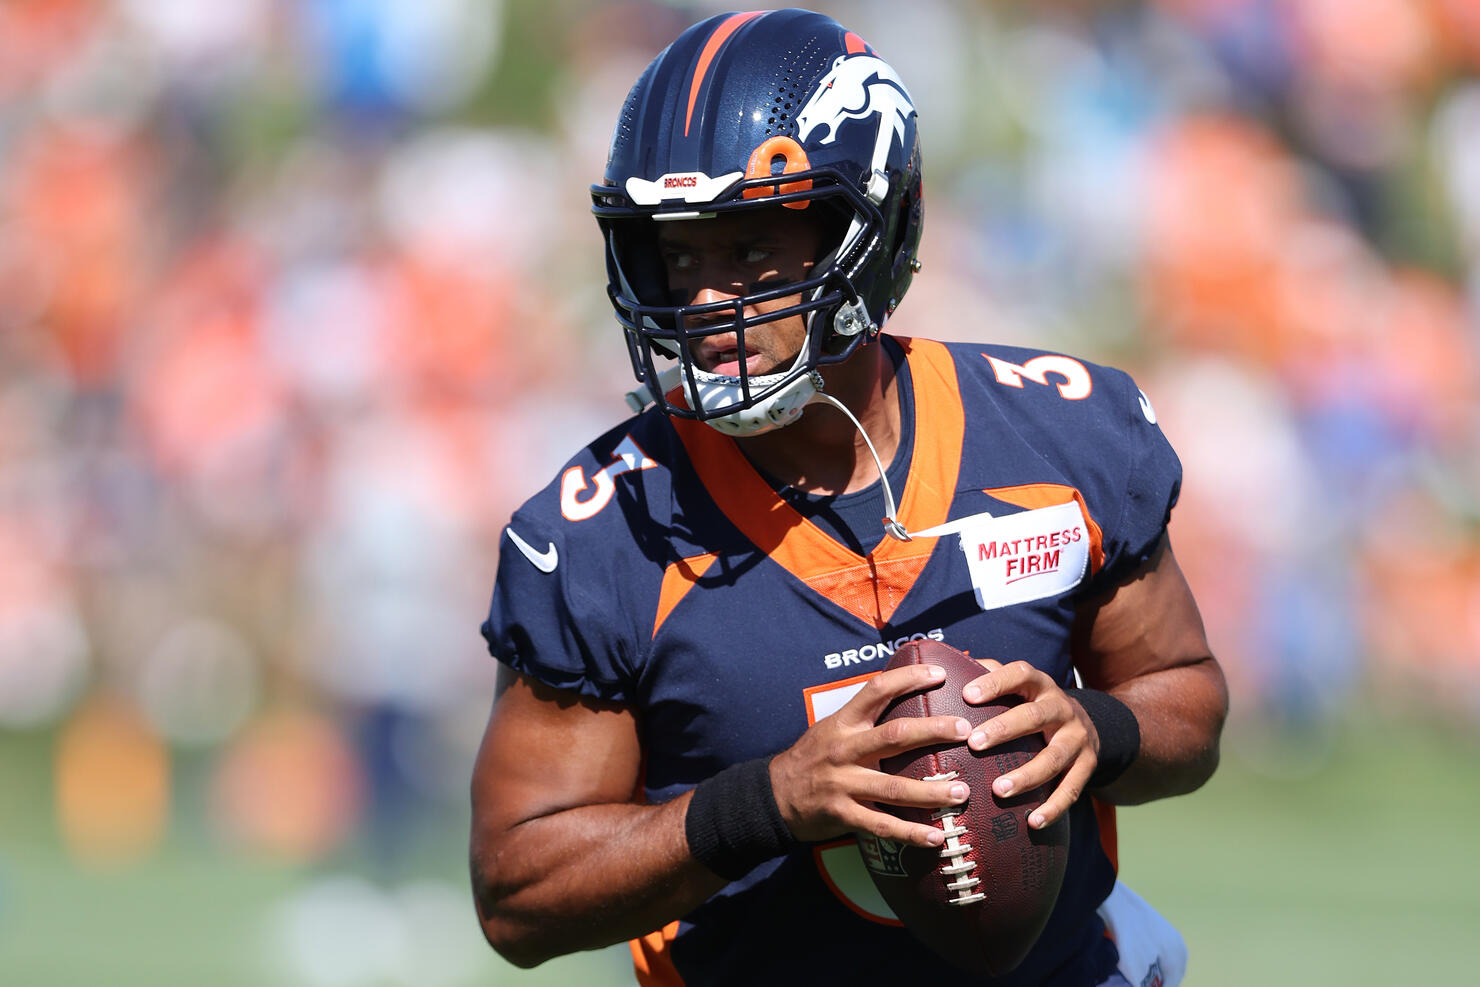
(300, 298)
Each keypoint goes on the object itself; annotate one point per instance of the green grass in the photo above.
(1362, 867)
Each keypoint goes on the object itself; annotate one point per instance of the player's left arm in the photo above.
(1141, 642)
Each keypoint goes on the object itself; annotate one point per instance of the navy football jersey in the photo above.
(662, 571)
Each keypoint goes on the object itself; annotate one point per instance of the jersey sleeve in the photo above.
(1151, 484)
(565, 627)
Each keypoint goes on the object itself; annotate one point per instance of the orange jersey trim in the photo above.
(711, 48)
(678, 579)
(813, 690)
(652, 958)
(1035, 495)
(870, 587)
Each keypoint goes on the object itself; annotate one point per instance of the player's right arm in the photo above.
(565, 858)
(562, 858)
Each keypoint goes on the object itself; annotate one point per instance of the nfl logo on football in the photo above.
(880, 855)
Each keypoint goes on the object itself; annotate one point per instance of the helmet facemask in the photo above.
(662, 331)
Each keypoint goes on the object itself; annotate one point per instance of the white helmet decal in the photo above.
(857, 87)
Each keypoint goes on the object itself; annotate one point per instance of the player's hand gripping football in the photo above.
(825, 781)
(1072, 749)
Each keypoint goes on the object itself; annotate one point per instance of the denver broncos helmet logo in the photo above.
(857, 87)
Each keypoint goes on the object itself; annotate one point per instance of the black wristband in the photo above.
(733, 823)
(1120, 734)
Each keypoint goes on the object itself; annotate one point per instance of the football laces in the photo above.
(958, 869)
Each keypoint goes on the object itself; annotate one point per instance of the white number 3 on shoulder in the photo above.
(1075, 386)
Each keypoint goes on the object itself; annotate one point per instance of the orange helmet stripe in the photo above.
(711, 48)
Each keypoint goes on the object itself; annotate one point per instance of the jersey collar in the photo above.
(872, 586)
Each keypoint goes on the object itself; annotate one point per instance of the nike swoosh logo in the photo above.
(545, 561)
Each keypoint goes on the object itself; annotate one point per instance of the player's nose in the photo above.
(710, 294)
(720, 317)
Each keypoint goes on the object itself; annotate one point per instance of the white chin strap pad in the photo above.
(772, 412)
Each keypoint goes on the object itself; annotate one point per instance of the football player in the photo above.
(691, 618)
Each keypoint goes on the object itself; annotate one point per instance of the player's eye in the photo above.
(754, 254)
(679, 260)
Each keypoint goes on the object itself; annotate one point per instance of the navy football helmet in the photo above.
(761, 110)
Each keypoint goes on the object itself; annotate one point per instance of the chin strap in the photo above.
(642, 395)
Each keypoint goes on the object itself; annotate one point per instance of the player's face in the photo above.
(718, 259)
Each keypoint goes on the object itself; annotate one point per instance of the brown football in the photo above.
(982, 899)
